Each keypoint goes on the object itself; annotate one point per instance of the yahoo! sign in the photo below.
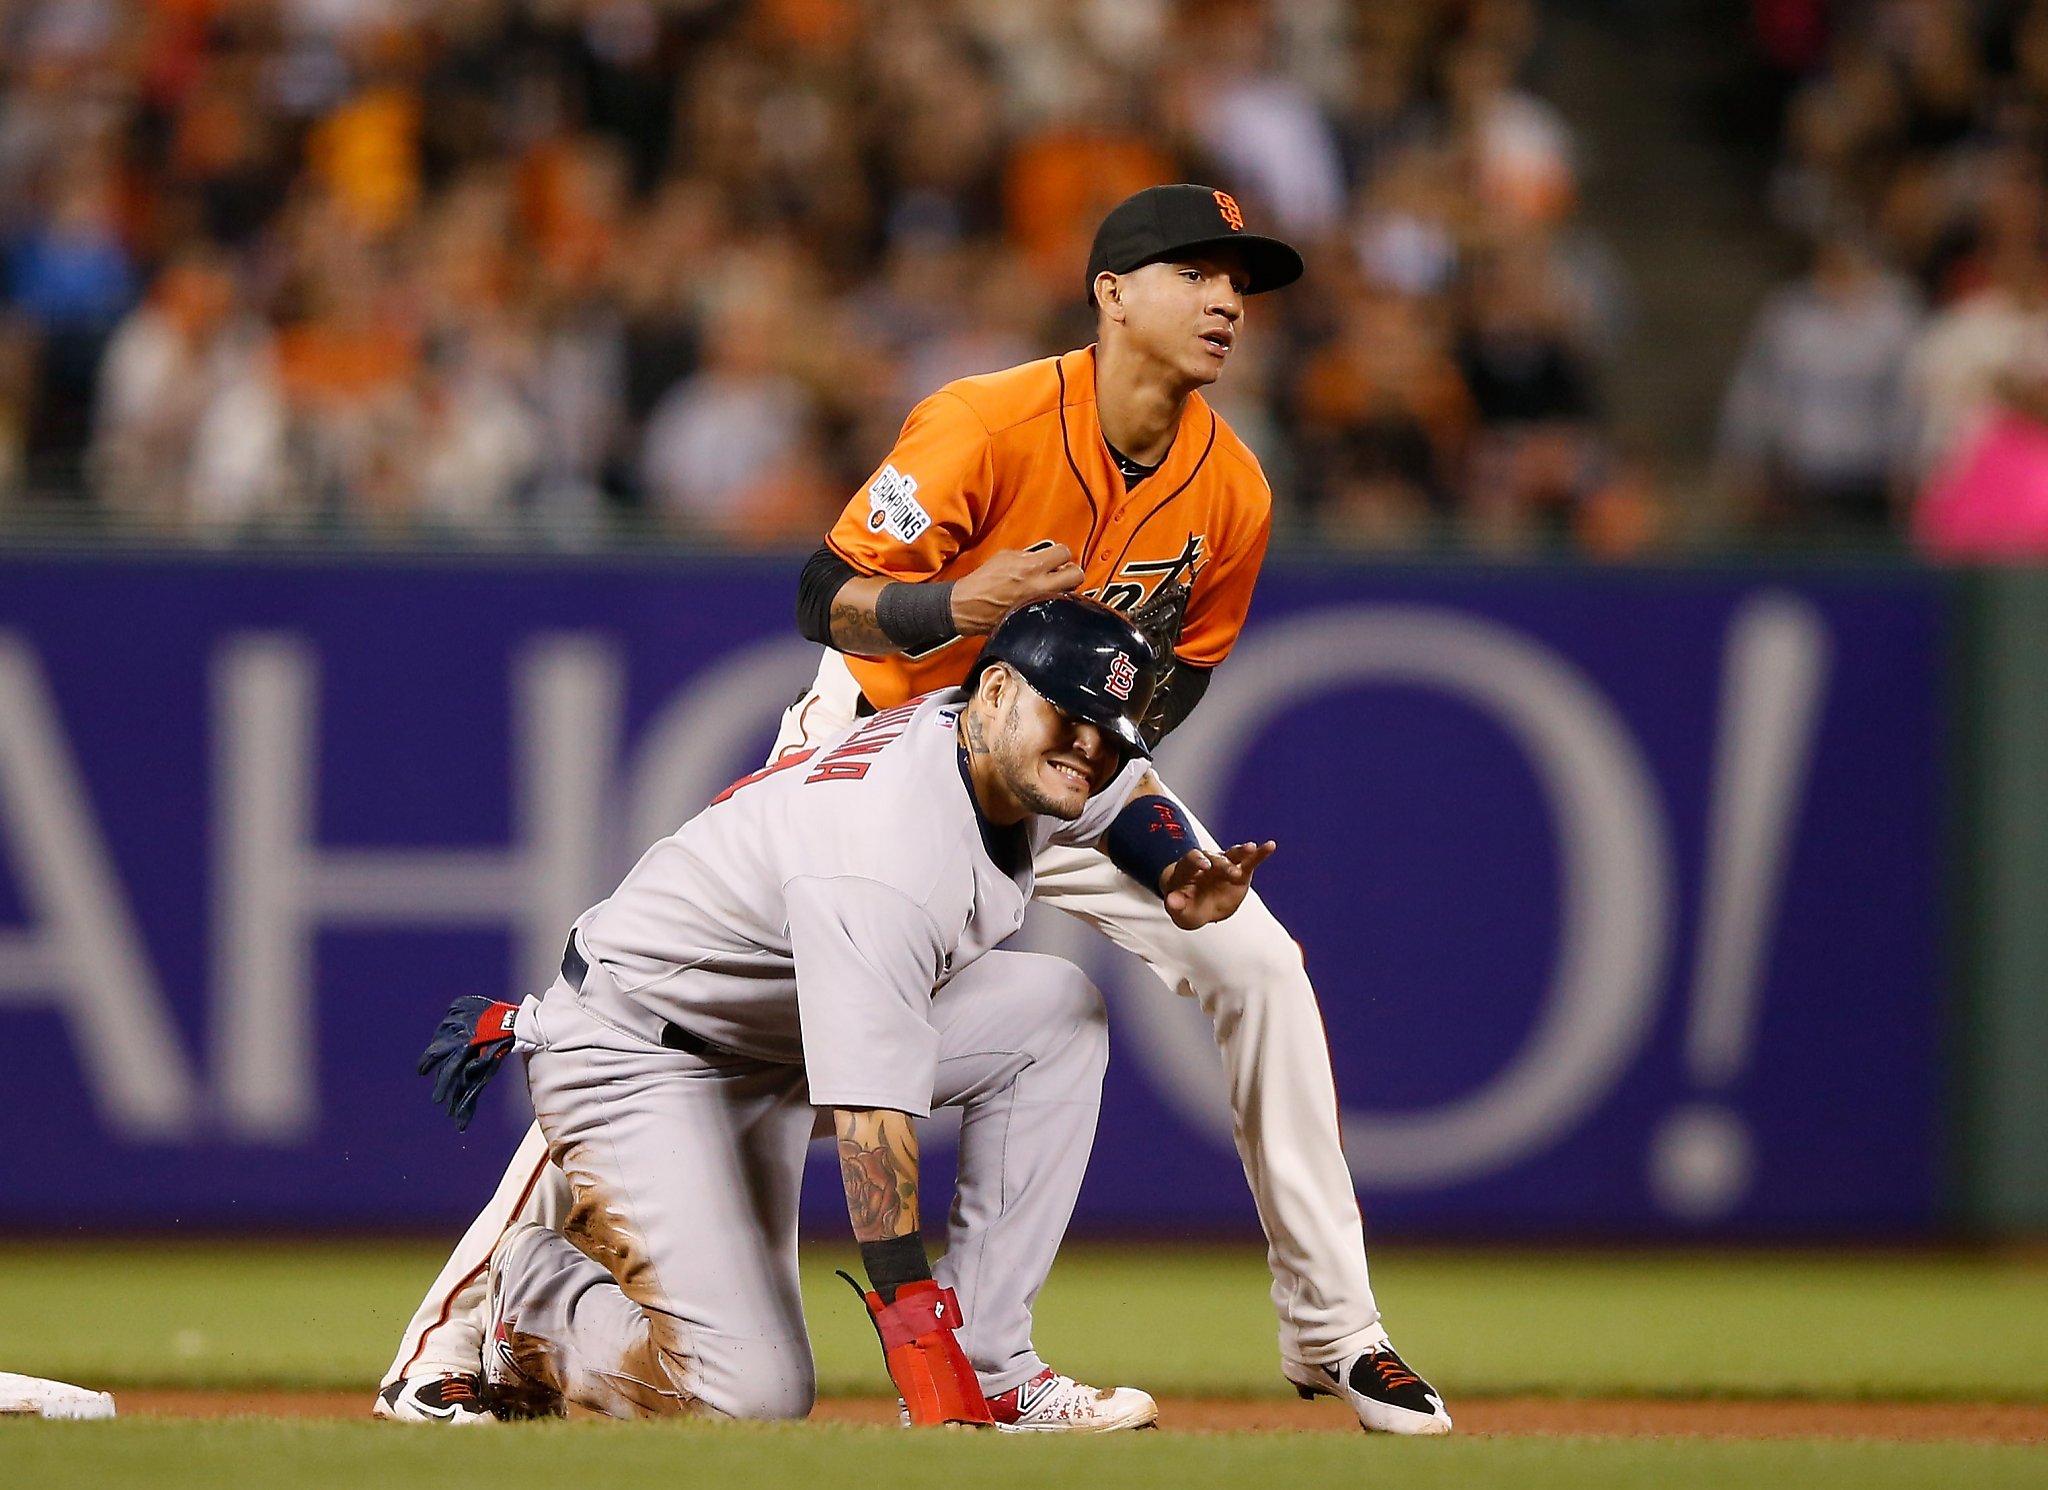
(1614, 840)
(276, 887)
(1621, 893)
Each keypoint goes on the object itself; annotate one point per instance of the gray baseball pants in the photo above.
(672, 1286)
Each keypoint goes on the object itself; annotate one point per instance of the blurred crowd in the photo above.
(584, 267)
(1903, 380)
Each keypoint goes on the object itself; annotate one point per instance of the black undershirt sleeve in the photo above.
(825, 574)
(915, 615)
(1175, 699)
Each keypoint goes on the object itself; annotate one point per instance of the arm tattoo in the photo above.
(878, 1164)
(855, 629)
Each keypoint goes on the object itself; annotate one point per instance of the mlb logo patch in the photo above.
(893, 506)
(1123, 677)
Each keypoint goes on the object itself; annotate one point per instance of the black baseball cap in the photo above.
(1163, 222)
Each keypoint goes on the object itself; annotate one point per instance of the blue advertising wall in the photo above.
(1622, 891)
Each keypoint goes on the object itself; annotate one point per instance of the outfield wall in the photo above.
(1628, 893)
(2002, 900)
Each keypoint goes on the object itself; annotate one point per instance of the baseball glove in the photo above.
(1160, 619)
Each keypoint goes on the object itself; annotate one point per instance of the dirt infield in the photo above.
(1516, 1416)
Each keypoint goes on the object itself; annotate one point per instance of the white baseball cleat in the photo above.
(1377, 1385)
(453, 1397)
(1052, 1403)
(39, 1397)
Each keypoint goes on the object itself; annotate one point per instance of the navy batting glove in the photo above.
(473, 1039)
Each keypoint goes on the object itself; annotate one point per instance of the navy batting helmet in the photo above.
(1082, 657)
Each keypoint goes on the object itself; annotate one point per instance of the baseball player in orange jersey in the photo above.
(1103, 470)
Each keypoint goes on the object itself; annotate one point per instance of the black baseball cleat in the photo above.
(452, 1397)
(1377, 1385)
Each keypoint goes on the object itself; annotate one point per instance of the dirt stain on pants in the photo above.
(648, 1377)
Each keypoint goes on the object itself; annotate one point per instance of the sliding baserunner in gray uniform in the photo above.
(823, 938)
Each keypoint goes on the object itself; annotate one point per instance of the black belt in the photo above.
(575, 968)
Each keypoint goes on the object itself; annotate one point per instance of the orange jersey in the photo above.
(1014, 459)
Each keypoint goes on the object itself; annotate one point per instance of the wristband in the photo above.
(1150, 834)
(916, 617)
(892, 1263)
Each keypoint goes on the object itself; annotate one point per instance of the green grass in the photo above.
(313, 1456)
(1173, 1320)
(1179, 1320)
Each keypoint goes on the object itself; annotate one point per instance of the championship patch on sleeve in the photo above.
(893, 506)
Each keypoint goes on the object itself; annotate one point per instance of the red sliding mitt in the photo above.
(924, 1359)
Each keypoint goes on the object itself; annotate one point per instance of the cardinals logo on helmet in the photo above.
(1123, 677)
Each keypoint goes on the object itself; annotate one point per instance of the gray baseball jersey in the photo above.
(831, 926)
(807, 915)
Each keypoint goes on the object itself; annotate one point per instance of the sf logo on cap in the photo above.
(1227, 205)
(1123, 677)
